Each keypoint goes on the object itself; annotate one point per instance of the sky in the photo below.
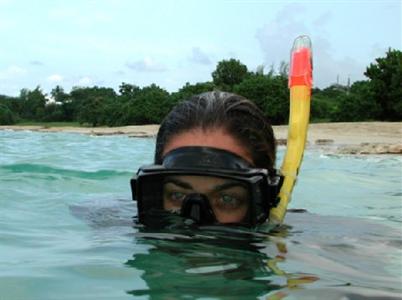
(104, 43)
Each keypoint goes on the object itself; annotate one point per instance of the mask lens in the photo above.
(228, 198)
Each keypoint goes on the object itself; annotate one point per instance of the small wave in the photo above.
(45, 169)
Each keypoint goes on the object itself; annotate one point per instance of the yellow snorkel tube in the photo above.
(300, 83)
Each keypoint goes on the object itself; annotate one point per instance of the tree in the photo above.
(7, 117)
(59, 95)
(333, 91)
(358, 104)
(283, 69)
(61, 110)
(149, 107)
(89, 104)
(54, 112)
(129, 90)
(33, 104)
(91, 111)
(321, 107)
(229, 73)
(326, 104)
(386, 83)
(189, 90)
(269, 93)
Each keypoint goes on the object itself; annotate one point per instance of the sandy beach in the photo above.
(344, 138)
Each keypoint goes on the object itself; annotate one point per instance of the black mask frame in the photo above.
(263, 187)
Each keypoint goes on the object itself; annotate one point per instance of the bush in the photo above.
(6, 116)
(321, 108)
(385, 82)
(269, 93)
(358, 104)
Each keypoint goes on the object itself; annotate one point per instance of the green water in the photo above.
(67, 230)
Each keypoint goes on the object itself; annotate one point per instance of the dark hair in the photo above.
(240, 117)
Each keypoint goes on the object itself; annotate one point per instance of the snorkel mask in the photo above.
(207, 185)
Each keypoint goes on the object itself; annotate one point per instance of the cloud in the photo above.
(120, 72)
(377, 50)
(12, 72)
(6, 24)
(16, 70)
(327, 68)
(36, 63)
(276, 39)
(81, 18)
(322, 20)
(55, 78)
(85, 81)
(200, 57)
(146, 65)
(232, 54)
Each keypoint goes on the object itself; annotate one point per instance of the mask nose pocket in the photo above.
(196, 207)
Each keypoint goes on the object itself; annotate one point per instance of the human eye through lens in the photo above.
(173, 198)
(176, 197)
(228, 199)
(231, 201)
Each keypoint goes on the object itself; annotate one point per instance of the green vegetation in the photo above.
(378, 98)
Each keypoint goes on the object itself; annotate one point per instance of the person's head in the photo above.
(218, 137)
(221, 120)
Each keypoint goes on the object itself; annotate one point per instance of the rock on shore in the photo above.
(371, 148)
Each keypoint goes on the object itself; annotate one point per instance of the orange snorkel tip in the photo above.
(301, 63)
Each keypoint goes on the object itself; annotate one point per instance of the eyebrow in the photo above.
(185, 185)
(182, 184)
(228, 185)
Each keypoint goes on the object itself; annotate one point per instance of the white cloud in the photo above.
(377, 50)
(232, 54)
(85, 81)
(120, 72)
(16, 70)
(36, 63)
(276, 40)
(322, 20)
(327, 68)
(12, 72)
(146, 65)
(55, 78)
(6, 24)
(200, 57)
(276, 37)
(83, 18)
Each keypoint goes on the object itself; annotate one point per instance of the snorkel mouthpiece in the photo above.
(196, 207)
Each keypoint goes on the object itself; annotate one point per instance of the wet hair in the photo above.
(238, 116)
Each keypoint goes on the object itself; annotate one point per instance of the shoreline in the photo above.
(342, 138)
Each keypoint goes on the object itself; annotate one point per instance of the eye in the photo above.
(227, 201)
(177, 196)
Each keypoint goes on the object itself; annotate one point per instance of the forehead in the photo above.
(214, 137)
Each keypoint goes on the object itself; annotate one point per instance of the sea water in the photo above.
(67, 229)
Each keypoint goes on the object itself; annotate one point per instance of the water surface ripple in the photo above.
(67, 230)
